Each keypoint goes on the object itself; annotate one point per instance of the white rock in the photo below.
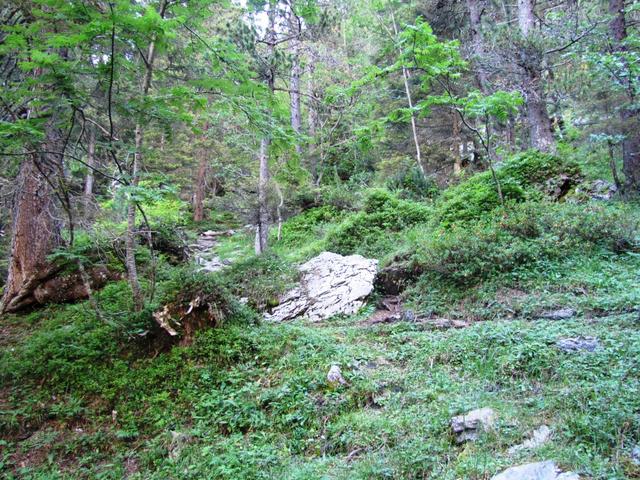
(539, 437)
(536, 471)
(335, 376)
(467, 427)
(330, 285)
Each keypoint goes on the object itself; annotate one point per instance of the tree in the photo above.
(531, 59)
(624, 68)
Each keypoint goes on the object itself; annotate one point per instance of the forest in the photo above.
(320, 239)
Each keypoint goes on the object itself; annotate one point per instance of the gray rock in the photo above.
(578, 344)
(536, 471)
(635, 455)
(330, 285)
(600, 190)
(561, 314)
(539, 437)
(467, 427)
(335, 376)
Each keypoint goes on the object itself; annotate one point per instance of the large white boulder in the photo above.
(330, 284)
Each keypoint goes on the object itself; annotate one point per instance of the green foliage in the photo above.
(259, 279)
(371, 231)
(522, 176)
(522, 236)
(308, 226)
(412, 184)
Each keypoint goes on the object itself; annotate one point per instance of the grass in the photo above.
(254, 403)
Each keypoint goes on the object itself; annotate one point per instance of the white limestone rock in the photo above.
(330, 285)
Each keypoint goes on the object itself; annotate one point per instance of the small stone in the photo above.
(538, 437)
(635, 455)
(578, 344)
(468, 426)
(561, 314)
(335, 376)
(536, 471)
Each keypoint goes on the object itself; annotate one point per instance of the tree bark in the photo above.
(262, 233)
(477, 43)
(130, 239)
(540, 132)
(89, 179)
(313, 118)
(36, 228)
(629, 114)
(457, 144)
(201, 186)
(296, 72)
(407, 91)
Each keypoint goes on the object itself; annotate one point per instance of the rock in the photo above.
(330, 285)
(335, 376)
(446, 323)
(561, 314)
(598, 190)
(539, 437)
(577, 344)
(393, 278)
(635, 455)
(536, 471)
(468, 426)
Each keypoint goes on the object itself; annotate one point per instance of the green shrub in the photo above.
(371, 232)
(260, 279)
(412, 184)
(304, 227)
(523, 235)
(521, 177)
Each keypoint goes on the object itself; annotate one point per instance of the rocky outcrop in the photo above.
(330, 285)
(536, 471)
(467, 427)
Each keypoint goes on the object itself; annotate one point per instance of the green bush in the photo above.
(304, 227)
(412, 184)
(523, 235)
(521, 177)
(371, 231)
(260, 279)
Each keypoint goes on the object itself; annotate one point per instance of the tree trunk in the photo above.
(263, 209)
(262, 233)
(90, 177)
(407, 91)
(457, 147)
(540, 132)
(130, 239)
(296, 72)
(313, 119)
(36, 228)
(477, 43)
(629, 114)
(201, 186)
